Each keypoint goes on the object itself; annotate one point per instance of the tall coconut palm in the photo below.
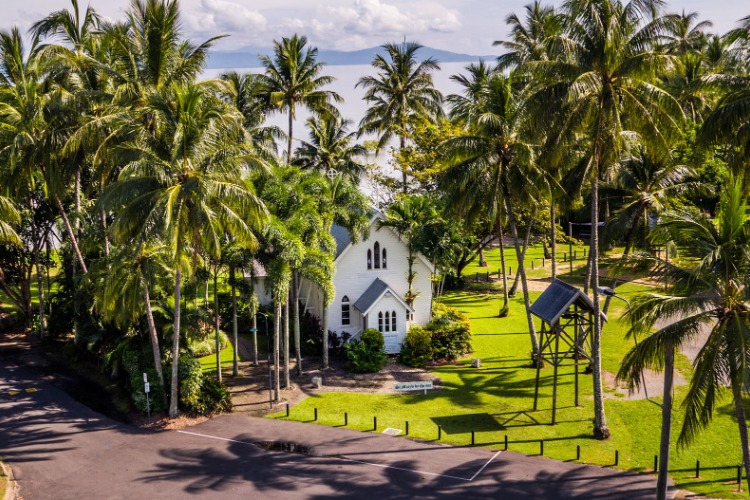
(401, 91)
(491, 156)
(532, 38)
(609, 91)
(686, 35)
(185, 185)
(293, 78)
(710, 295)
(331, 147)
(648, 185)
(8, 216)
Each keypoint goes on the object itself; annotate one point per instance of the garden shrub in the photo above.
(366, 354)
(206, 346)
(198, 393)
(417, 348)
(451, 333)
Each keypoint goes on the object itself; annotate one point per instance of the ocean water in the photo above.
(353, 107)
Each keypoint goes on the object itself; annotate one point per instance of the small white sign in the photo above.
(413, 386)
(147, 387)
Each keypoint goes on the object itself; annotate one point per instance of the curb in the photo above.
(11, 490)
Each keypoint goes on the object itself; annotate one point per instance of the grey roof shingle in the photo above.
(556, 300)
(373, 293)
(342, 237)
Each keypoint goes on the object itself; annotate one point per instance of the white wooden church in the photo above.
(370, 284)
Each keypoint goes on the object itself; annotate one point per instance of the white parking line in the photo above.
(345, 459)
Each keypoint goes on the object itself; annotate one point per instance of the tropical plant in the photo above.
(184, 185)
(710, 295)
(331, 148)
(402, 91)
(293, 78)
(492, 155)
(609, 97)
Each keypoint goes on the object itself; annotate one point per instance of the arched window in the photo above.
(385, 262)
(345, 311)
(393, 321)
(369, 259)
(380, 322)
(376, 251)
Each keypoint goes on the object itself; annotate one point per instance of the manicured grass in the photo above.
(497, 400)
(208, 363)
(534, 255)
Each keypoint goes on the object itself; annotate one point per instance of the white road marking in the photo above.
(345, 459)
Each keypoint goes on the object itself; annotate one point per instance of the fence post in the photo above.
(617, 457)
(346, 419)
(287, 410)
(506, 442)
(656, 463)
(440, 432)
(315, 418)
(472, 438)
(697, 469)
(407, 428)
(578, 452)
(374, 423)
(541, 447)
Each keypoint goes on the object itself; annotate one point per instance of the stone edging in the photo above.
(11, 491)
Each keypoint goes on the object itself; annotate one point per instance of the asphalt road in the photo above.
(60, 449)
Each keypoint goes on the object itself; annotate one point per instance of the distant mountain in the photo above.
(247, 57)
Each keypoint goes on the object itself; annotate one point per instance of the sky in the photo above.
(466, 26)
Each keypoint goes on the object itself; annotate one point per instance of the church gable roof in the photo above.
(374, 292)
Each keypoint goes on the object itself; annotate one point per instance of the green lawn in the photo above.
(534, 256)
(208, 363)
(497, 400)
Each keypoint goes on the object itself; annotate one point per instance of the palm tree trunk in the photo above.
(536, 355)
(517, 279)
(216, 324)
(287, 382)
(276, 339)
(71, 234)
(402, 145)
(255, 339)
(325, 335)
(505, 307)
(103, 217)
(553, 237)
(666, 422)
(154, 339)
(739, 410)
(601, 431)
(40, 286)
(235, 367)
(482, 258)
(289, 139)
(173, 410)
(295, 313)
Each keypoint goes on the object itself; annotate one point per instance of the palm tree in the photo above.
(407, 216)
(608, 91)
(648, 185)
(710, 295)
(484, 162)
(530, 40)
(185, 185)
(293, 78)
(331, 148)
(686, 35)
(401, 92)
(8, 216)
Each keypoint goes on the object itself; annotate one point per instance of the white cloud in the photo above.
(374, 17)
(224, 16)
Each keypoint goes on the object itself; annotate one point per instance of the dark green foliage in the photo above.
(451, 333)
(417, 349)
(366, 354)
(200, 394)
(310, 335)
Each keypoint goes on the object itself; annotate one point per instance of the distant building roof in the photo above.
(557, 298)
(342, 237)
(373, 293)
